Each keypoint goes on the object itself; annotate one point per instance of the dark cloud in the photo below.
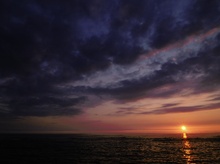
(130, 90)
(169, 108)
(183, 109)
(215, 98)
(206, 63)
(183, 18)
(41, 106)
(169, 105)
(45, 44)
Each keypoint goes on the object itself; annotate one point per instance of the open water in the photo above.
(72, 149)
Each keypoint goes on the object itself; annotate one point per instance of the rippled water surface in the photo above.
(107, 149)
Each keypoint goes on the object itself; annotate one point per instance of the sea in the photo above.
(131, 149)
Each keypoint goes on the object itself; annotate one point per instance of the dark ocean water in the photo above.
(32, 148)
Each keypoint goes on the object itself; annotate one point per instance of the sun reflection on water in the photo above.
(187, 149)
(188, 154)
(184, 136)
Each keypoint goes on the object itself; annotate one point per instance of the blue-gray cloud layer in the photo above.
(46, 44)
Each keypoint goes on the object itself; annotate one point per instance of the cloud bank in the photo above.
(60, 58)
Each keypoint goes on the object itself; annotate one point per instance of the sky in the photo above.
(109, 66)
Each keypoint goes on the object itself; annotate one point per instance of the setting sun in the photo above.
(183, 128)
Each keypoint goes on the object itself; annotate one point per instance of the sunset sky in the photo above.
(110, 66)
